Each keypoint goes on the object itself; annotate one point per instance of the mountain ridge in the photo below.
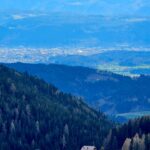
(34, 113)
(112, 93)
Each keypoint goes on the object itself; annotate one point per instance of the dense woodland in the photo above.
(36, 115)
(134, 135)
(110, 92)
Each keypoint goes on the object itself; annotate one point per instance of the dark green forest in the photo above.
(134, 135)
(36, 115)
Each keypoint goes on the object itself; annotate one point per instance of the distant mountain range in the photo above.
(111, 93)
(38, 30)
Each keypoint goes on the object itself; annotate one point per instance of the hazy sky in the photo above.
(105, 7)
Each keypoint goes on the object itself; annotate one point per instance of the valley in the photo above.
(27, 101)
(111, 93)
(74, 75)
(117, 44)
(130, 63)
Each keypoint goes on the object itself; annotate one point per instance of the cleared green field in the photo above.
(133, 115)
(124, 70)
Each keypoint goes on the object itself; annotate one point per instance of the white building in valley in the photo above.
(88, 148)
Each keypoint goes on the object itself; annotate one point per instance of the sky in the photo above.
(103, 7)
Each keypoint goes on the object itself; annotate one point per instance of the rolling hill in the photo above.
(112, 93)
(36, 115)
(38, 30)
(121, 62)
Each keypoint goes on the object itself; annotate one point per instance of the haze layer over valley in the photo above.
(49, 37)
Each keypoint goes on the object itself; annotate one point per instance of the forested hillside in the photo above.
(134, 135)
(110, 92)
(36, 115)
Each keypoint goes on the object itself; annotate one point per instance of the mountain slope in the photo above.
(36, 115)
(110, 92)
(63, 30)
